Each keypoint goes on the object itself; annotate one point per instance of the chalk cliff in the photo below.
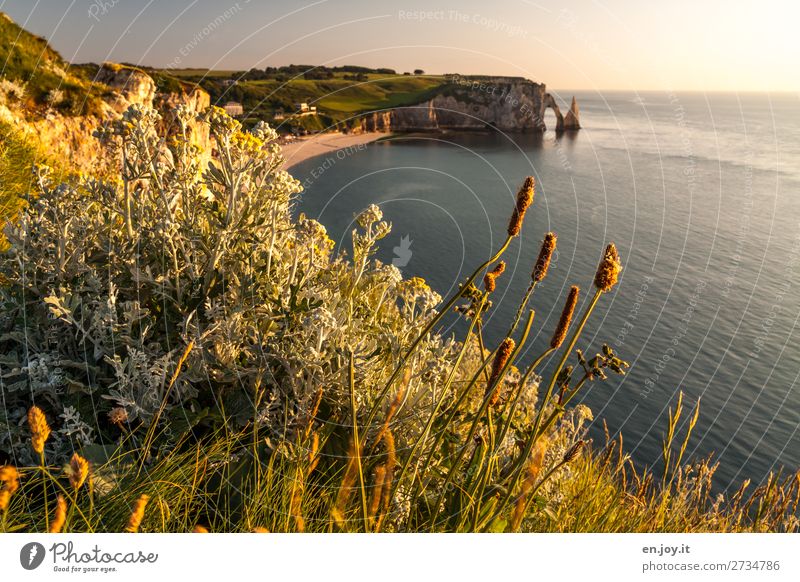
(506, 104)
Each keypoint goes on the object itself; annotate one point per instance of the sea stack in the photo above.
(572, 120)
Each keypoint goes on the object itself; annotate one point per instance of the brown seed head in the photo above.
(500, 360)
(9, 479)
(40, 430)
(560, 333)
(545, 254)
(608, 270)
(524, 200)
(573, 451)
(79, 471)
(490, 279)
(118, 416)
(135, 520)
(60, 517)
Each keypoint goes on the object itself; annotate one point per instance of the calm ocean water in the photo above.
(701, 194)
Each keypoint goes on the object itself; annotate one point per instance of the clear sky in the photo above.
(707, 45)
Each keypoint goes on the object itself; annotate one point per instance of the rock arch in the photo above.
(549, 102)
(570, 122)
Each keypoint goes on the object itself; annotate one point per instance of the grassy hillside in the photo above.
(340, 96)
(46, 79)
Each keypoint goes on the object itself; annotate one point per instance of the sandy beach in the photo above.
(304, 148)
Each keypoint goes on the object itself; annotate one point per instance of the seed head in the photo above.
(40, 430)
(135, 520)
(560, 333)
(60, 517)
(608, 270)
(524, 200)
(9, 479)
(118, 415)
(545, 254)
(500, 360)
(573, 451)
(489, 280)
(79, 471)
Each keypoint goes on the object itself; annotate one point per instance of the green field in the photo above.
(338, 99)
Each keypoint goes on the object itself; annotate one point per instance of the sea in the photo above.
(701, 194)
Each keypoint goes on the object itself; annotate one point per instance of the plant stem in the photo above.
(523, 304)
(450, 303)
(357, 451)
(516, 471)
(478, 416)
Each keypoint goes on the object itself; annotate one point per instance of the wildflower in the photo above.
(369, 216)
(545, 254)
(40, 430)
(118, 415)
(135, 520)
(79, 470)
(500, 360)
(608, 270)
(524, 200)
(489, 280)
(60, 517)
(566, 317)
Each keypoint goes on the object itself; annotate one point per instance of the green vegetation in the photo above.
(339, 93)
(18, 154)
(191, 357)
(45, 79)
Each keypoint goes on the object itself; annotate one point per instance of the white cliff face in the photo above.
(476, 104)
(130, 86)
(572, 121)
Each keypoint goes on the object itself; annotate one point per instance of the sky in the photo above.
(699, 45)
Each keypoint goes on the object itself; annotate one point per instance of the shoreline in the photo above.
(305, 148)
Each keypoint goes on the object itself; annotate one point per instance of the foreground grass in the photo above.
(224, 484)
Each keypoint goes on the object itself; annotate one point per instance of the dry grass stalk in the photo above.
(531, 474)
(346, 488)
(79, 471)
(137, 515)
(560, 334)
(524, 200)
(40, 430)
(545, 256)
(490, 279)
(608, 270)
(500, 360)
(60, 516)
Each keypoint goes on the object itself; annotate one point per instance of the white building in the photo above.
(234, 109)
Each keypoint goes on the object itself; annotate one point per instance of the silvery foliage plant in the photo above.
(183, 292)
